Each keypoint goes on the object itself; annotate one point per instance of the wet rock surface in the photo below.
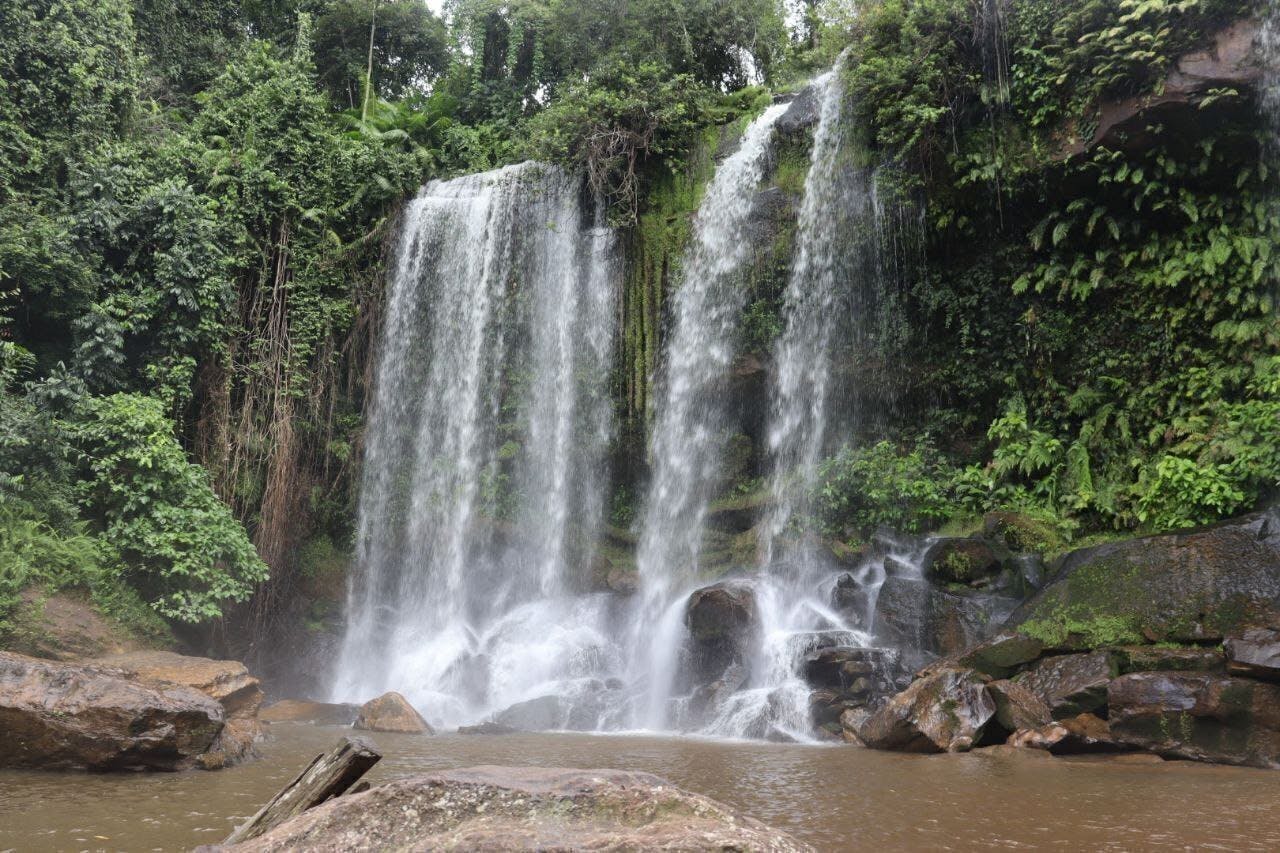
(942, 712)
(724, 625)
(503, 808)
(61, 716)
(1255, 653)
(1017, 707)
(1197, 716)
(1070, 684)
(391, 712)
(1199, 586)
(962, 561)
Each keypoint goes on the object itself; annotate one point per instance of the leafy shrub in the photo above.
(865, 488)
(186, 554)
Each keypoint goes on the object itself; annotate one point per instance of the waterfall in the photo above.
(689, 430)
(483, 474)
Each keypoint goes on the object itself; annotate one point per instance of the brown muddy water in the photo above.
(836, 798)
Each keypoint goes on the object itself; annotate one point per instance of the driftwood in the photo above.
(327, 776)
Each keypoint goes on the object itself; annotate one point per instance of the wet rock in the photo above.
(1083, 734)
(724, 627)
(1165, 659)
(707, 699)
(942, 712)
(1017, 707)
(1029, 573)
(851, 722)
(501, 808)
(802, 115)
(848, 595)
(827, 706)
(391, 712)
(60, 716)
(1001, 655)
(1197, 716)
(1255, 653)
(1071, 684)
(912, 613)
(1198, 586)
(895, 568)
(318, 713)
(962, 561)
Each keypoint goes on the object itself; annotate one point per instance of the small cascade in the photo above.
(491, 382)
(689, 432)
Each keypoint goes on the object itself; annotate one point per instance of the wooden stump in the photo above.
(327, 776)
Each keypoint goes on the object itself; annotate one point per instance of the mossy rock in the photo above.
(1191, 587)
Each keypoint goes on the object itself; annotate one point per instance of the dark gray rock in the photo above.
(724, 629)
(802, 115)
(914, 614)
(963, 561)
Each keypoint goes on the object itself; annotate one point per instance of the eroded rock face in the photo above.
(1198, 716)
(502, 808)
(391, 712)
(62, 716)
(1198, 586)
(942, 712)
(1071, 684)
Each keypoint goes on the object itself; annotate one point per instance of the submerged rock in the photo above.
(1083, 734)
(319, 713)
(504, 808)
(60, 716)
(1198, 716)
(942, 712)
(391, 712)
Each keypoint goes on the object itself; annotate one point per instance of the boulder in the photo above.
(530, 808)
(942, 712)
(707, 699)
(487, 728)
(841, 668)
(228, 682)
(1071, 684)
(1017, 707)
(851, 722)
(60, 716)
(391, 712)
(1197, 716)
(545, 713)
(962, 561)
(319, 713)
(724, 628)
(1192, 587)
(1255, 653)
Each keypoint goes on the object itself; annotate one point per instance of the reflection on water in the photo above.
(837, 798)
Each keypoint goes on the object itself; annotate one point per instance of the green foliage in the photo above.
(187, 554)
(865, 488)
(410, 48)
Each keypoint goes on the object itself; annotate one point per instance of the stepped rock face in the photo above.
(506, 808)
(60, 716)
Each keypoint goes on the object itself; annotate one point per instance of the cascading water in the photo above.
(491, 380)
(689, 432)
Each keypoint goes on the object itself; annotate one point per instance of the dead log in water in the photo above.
(327, 776)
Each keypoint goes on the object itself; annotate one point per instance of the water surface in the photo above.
(836, 798)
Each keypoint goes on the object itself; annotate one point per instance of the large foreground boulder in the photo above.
(941, 712)
(1198, 716)
(1203, 585)
(503, 808)
(228, 682)
(391, 712)
(61, 716)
